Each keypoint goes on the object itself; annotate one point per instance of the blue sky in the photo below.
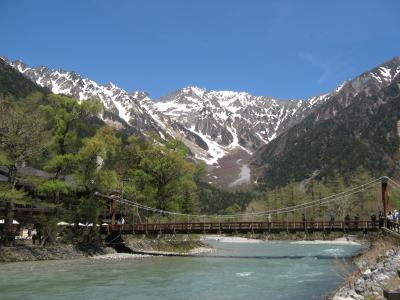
(284, 49)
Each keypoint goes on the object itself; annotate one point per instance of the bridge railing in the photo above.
(199, 227)
(393, 225)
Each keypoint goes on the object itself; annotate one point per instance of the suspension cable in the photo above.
(277, 211)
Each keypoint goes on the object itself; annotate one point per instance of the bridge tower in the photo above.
(384, 190)
(113, 208)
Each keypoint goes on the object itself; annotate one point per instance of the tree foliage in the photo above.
(22, 134)
(364, 202)
(67, 118)
(159, 175)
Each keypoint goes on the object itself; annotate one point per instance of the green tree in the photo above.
(336, 185)
(67, 117)
(159, 175)
(94, 172)
(317, 190)
(22, 135)
(53, 189)
(9, 196)
(364, 202)
(22, 138)
(233, 209)
(47, 228)
(88, 210)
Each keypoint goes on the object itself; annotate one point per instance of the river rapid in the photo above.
(260, 270)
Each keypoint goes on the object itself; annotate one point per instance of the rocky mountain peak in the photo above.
(230, 119)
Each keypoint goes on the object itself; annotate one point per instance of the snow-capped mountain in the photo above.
(122, 109)
(229, 120)
(212, 124)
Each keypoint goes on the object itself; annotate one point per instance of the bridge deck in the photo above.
(240, 227)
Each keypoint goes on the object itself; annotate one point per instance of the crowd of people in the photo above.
(393, 216)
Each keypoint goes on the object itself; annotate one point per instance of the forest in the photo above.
(57, 153)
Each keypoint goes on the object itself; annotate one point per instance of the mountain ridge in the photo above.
(342, 134)
(209, 141)
(214, 124)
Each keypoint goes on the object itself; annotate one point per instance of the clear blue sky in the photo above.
(285, 49)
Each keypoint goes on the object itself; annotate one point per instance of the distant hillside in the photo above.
(357, 127)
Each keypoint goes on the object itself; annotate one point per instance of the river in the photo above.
(267, 270)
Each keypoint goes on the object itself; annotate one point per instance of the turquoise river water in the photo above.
(268, 270)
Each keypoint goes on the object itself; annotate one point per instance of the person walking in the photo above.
(269, 218)
(34, 235)
(347, 220)
(304, 221)
(356, 220)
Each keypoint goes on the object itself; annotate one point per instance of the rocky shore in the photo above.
(143, 246)
(377, 270)
(57, 252)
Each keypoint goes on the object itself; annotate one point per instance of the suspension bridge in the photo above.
(291, 219)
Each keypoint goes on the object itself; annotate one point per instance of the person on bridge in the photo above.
(304, 220)
(347, 220)
(356, 220)
(395, 216)
(34, 235)
(381, 220)
(373, 220)
(389, 220)
(312, 224)
(269, 220)
(331, 222)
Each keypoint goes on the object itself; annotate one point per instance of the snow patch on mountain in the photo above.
(215, 150)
